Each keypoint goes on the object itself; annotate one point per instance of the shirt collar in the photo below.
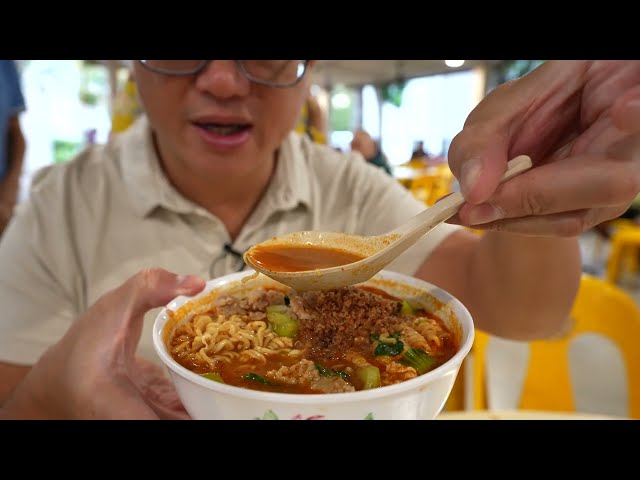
(150, 188)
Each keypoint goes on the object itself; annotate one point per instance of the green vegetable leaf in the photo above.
(406, 308)
(256, 378)
(390, 349)
(369, 376)
(212, 376)
(279, 308)
(330, 372)
(418, 359)
(281, 323)
(268, 415)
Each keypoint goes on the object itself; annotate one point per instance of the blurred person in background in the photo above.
(363, 143)
(12, 142)
(419, 156)
(214, 168)
(419, 152)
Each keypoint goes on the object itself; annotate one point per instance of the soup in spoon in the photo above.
(300, 258)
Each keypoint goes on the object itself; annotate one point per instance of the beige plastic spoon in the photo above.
(378, 251)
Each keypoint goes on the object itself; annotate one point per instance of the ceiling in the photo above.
(328, 73)
(362, 72)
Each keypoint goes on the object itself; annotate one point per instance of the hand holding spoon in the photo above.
(314, 260)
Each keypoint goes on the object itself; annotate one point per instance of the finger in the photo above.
(626, 111)
(571, 184)
(478, 158)
(566, 224)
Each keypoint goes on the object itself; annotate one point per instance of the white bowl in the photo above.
(420, 398)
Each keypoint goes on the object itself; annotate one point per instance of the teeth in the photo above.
(223, 129)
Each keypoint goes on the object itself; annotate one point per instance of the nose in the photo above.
(223, 79)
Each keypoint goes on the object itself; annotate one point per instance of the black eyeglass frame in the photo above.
(203, 64)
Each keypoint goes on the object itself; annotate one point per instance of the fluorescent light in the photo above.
(340, 100)
(454, 63)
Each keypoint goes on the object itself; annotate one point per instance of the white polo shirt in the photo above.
(91, 223)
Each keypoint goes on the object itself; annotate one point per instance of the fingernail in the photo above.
(469, 175)
(484, 213)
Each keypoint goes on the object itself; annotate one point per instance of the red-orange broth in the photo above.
(288, 258)
(347, 339)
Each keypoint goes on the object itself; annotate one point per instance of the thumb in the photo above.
(149, 289)
(478, 160)
(123, 308)
(156, 287)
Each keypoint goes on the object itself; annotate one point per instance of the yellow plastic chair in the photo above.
(456, 400)
(625, 248)
(429, 188)
(600, 308)
(422, 187)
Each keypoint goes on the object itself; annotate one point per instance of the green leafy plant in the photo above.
(65, 150)
(392, 92)
(512, 69)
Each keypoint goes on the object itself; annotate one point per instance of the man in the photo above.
(12, 143)
(216, 170)
(370, 150)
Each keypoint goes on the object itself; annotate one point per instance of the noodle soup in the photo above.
(272, 338)
(325, 355)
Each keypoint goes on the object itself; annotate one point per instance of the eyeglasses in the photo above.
(273, 73)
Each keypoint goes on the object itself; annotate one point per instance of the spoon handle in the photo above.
(449, 206)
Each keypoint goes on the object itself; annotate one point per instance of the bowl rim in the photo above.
(445, 297)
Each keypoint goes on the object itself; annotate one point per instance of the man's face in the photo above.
(217, 121)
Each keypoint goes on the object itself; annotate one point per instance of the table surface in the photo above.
(522, 415)
(402, 172)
